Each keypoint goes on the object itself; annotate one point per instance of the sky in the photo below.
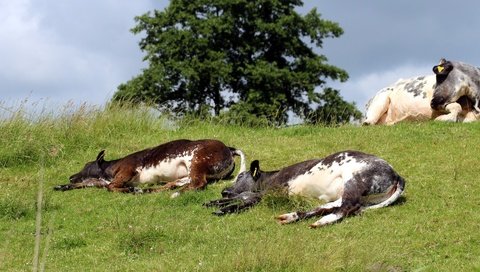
(60, 52)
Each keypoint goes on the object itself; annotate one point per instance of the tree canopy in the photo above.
(251, 57)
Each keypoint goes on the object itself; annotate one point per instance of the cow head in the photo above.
(453, 80)
(93, 169)
(243, 194)
(246, 181)
(444, 92)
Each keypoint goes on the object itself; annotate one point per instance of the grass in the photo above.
(434, 227)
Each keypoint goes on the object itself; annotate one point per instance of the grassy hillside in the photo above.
(434, 227)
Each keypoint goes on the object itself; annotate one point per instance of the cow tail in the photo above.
(400, 184)
(243, 163)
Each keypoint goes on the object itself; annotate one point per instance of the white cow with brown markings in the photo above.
(180, 163)
(349, 182)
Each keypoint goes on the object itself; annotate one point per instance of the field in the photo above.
(435, 226)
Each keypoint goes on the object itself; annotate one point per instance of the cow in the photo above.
(409, 99)
(349, 182)
(455, 79)
(180, 163)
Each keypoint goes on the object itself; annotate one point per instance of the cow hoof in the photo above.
(175, 195)
(136, 190)
(218, 213)
(287, 218)
(366, 124)
(62, 188)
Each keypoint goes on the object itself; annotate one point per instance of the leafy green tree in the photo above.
(333, 109)
(254, 54)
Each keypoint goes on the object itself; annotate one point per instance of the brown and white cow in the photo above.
(180, 163)
(349, 182)
(455, 79)
(409, 99)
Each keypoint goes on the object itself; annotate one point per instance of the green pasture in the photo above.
(435, 226)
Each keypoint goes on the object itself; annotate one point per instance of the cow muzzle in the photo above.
(74, 179)
(438, 103)
(228, 192)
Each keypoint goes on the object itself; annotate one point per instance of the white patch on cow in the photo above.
(107, 182)
(327, 219)
(334, 204)
(170, 169)
(183, 181)
(325, 183)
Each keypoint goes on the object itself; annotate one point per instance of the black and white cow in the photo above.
(409, 100)
(349, 182)
(455, 79)
(179, 163)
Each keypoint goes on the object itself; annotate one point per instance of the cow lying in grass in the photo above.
(409, 100)
(349, 182)
(181, 163)
(454, 80)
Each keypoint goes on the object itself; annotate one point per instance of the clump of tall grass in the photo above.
(27, 136)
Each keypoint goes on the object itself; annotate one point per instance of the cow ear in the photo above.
(443, 68)
(255, 169)
(100, 156)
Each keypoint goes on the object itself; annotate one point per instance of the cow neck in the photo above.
(265, 181)
(107, 167)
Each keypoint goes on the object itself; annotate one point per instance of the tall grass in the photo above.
(434, 227)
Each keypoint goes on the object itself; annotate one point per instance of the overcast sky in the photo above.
(80, 51)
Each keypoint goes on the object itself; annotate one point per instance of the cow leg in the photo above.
(453, 109)
(470, 116)
(92, 182)
(198, 177)
(199, 181)
(377, 109)
(237, 203)
(347, 208)
(170, 185)
(120, 181)
(350, 204)
(477, 101)
(299, 215)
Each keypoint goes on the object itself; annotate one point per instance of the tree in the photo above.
(219, 53)
(333, 109)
